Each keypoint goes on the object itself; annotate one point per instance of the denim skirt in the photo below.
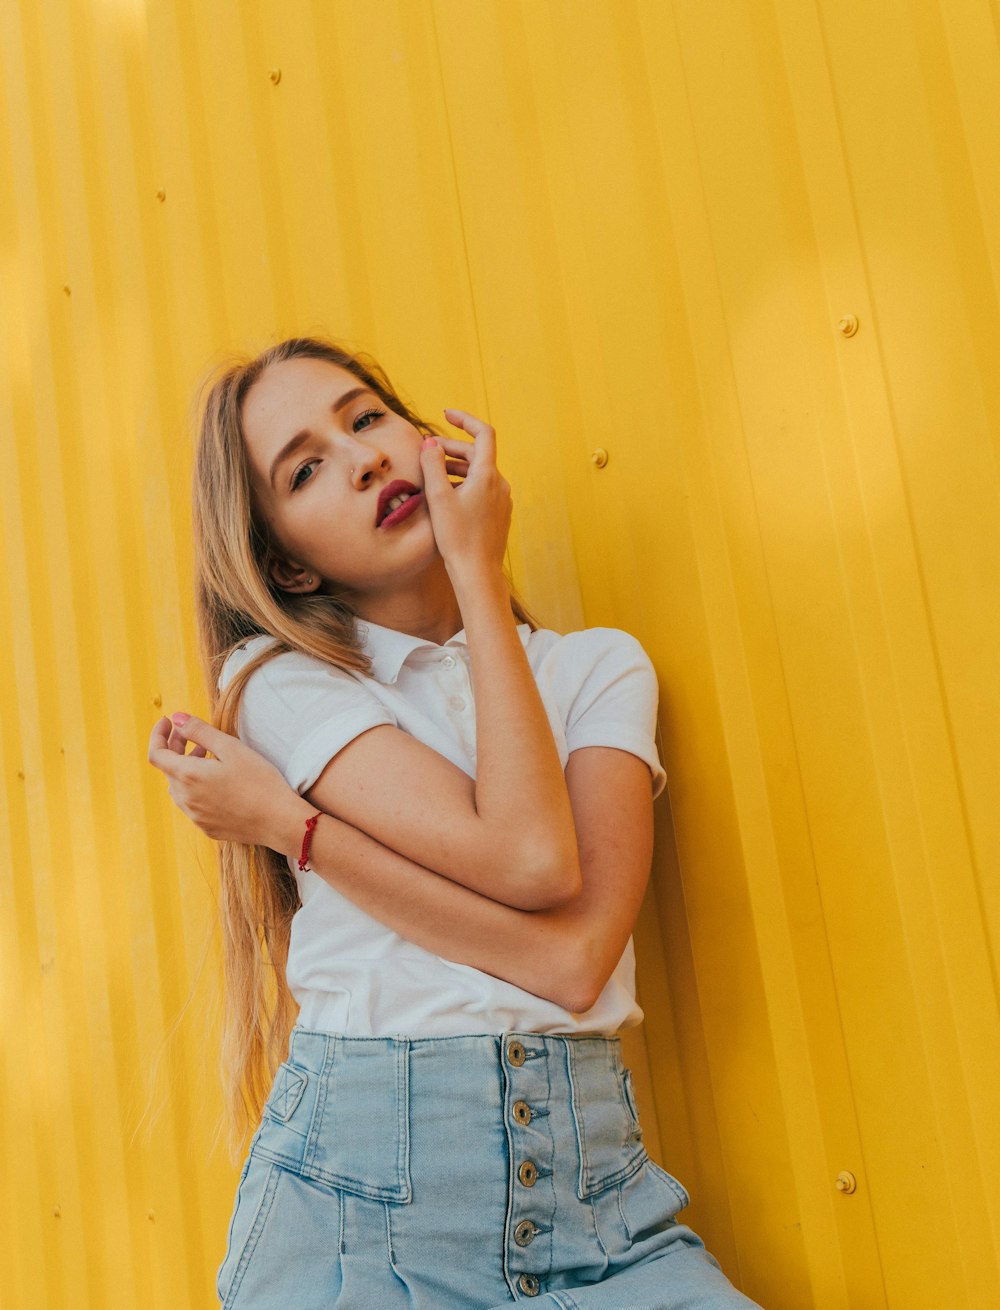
(459, 1173)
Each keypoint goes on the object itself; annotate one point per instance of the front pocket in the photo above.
(607, 1127)
(346, 1128)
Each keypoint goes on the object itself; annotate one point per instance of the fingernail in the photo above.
(429, 442)
(180, 719)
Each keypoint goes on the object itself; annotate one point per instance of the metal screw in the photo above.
(158, 700)
(275, 76)
(600, 457)
(161, 195)
(848, 325)
(846, 1182)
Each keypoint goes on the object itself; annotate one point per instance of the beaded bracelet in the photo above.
(306, 842)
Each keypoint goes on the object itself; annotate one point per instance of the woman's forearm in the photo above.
(519, 781)
(546, 952)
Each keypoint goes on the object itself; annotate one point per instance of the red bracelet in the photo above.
(306, 841)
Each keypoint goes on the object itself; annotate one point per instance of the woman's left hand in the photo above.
(237, 796)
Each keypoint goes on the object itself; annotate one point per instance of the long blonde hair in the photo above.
(235, 600)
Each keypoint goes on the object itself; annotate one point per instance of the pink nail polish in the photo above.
(429, 442)
(180, 719)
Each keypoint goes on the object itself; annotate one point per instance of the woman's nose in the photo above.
(366, 460)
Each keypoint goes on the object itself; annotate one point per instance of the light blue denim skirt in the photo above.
(459, 1173)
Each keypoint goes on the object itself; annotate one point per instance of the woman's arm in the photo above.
(565, 954)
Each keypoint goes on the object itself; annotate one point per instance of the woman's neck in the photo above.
(427, 608)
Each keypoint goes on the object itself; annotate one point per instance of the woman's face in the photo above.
(320, 496)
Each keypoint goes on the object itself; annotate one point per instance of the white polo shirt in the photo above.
(349, 973)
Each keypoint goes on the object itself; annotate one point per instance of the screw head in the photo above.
(846, 1182)
(275, 76)
(848, 325)
(600, 457)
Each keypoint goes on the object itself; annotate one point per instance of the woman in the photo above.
(436, 828)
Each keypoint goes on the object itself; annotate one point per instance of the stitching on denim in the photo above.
(507, 1091)
(621, 1211)
(319, 1105)
(632, 1166)
(232, 1220)
(394, 1192)
(388, 1237)
(678, 1188)
(597, 1230)
(563, 1299)
(285, 1098)
(547, 1173)
(256, 1228)
(577, 1116)
(403, 1122)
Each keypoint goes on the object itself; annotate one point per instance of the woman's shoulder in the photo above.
(242, 654)
(285, 666)
(587, 645)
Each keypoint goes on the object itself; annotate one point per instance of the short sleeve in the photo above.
(298, 711)
(615, 697)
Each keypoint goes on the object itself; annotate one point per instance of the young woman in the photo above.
(436, 831)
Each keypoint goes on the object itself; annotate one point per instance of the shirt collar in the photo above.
(389, 650)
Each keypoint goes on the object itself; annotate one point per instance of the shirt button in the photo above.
(522, 1112)
(456, 702)
(449, 661)
(528, 1284)
(527, 1174)
(524, 1233)
(516, 1054)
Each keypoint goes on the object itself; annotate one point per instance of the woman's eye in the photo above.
(372, 414)
(296, 480)
(368, 413)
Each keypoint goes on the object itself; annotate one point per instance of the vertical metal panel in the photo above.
(635, 226)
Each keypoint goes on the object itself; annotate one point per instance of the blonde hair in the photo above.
(235, 600)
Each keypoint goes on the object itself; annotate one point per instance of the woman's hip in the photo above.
(465, 1171)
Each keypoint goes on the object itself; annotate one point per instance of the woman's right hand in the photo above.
(470, 520)
(236, 796)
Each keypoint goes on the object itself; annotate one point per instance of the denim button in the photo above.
(527, 1174)
(522, 1112)
(524, 1233)
(528, 1284)
(516, 1054)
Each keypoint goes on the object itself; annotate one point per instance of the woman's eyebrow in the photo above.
(292, 445)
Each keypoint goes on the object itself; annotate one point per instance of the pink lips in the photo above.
(404, 511)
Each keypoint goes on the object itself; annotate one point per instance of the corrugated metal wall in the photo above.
(630, 224)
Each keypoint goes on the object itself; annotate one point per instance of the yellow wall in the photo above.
(629, 224)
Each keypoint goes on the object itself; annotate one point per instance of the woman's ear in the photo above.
(289, 576)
